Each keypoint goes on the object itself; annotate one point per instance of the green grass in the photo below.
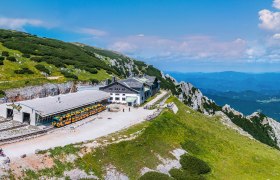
(230, 155)
(86, 76)
(9, 79)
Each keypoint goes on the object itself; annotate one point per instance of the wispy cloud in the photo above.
(190, 47)
(19, 23)
(92, 31)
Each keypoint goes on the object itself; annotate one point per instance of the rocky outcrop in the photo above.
(171, 78)
(227, 121)
(274, 126)
(227, 109)
(32, 92)
(194, 98)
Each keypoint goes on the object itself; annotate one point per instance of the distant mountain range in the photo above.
(245, 92)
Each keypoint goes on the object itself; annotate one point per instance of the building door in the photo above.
(10, 114)
(26, 118)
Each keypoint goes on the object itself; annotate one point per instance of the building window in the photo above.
(111, 98)
(123, 89)
(117, 99)
(117, 94)
(123, 99)
(111, 93)
(123, 94)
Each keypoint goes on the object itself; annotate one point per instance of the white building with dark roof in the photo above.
(133, 90)
(42, 110)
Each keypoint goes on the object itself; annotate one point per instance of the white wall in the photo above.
(124, 95)
(18, 115)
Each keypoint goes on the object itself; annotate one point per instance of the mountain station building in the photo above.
(132, 91)
(42, 110)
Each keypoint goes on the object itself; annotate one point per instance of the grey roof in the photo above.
(132, 83)
(64, 102)
(149, 80)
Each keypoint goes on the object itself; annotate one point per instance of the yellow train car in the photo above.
(71, 117)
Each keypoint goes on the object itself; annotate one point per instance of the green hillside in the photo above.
(26, 59)
(229, 154)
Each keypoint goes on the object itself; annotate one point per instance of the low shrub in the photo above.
(154, 176)
(5, 53)
(12, 58)
(91, 70)
(2, 93)
(94, 81)
(42, 68)
(2, 58)
(191, 146)
(108, 72)
(69, 75)
(180, 174)
(24, 71)
(26, 55)
(194, 165)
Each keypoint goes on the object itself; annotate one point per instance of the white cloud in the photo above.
(276, 4)
(276, 36)
(255, 52)
(191, 47)
(123, 47)
(19, 23)
(269, 20)
(92, 31)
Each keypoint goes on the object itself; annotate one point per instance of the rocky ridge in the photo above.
(257, 125)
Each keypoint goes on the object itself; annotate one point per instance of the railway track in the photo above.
(20, 137)
(14, 127)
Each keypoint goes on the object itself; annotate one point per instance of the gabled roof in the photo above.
(134, 83)
(122, 84)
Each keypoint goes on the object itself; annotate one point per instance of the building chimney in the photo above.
(113, 79)
(107, 82)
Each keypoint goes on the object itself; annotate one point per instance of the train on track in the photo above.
(77, 115)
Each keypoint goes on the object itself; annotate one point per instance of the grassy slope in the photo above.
(11, 80)
(230, 155)
(79, 60)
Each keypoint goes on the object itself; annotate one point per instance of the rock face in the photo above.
(227, 109)
(171, 78)
(194, 98)
(32, 92)
(274, 126)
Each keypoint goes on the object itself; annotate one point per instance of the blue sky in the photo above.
(174, 35)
